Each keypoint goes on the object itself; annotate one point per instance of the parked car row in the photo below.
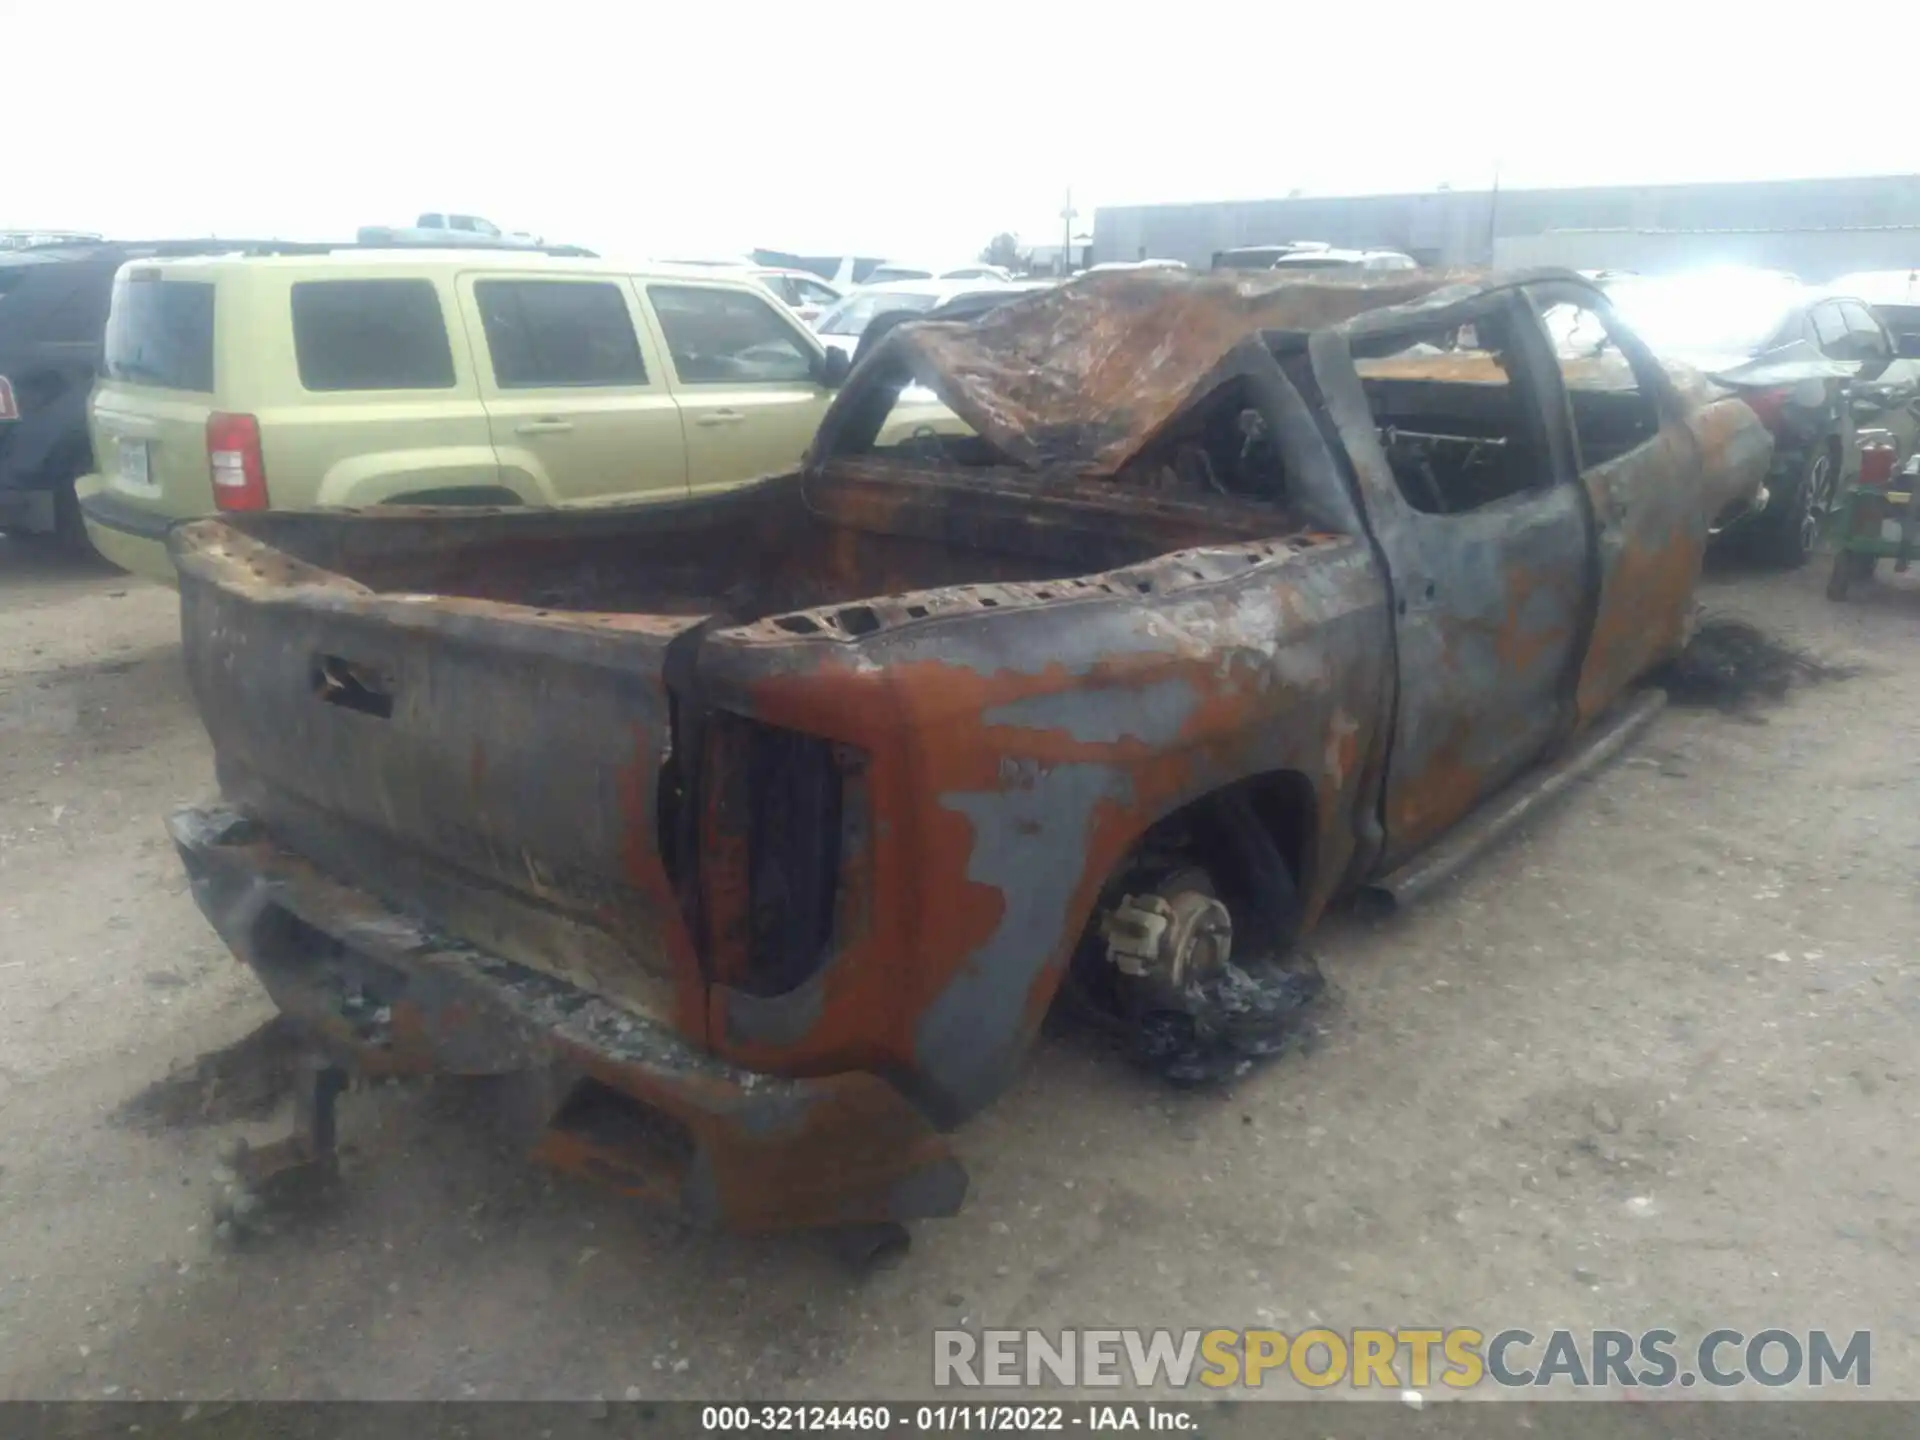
(143, 383)
(237, 374)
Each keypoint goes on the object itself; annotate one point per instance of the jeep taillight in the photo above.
(234, 462)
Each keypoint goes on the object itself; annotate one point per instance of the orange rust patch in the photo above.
(924, 727)
(1519, 648)
(1446, 788)
(1643, 616)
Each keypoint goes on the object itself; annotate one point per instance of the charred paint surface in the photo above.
(713, 813)
(1652, 539)
(458, 765)
(993, 837)
(719, 1145)
(1488, 601)
(1653, 536)
(1029, 848)
(1154, 714)
(1091, 372)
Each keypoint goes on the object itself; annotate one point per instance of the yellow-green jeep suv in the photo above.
(360, 377)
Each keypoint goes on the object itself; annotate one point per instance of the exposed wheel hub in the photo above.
(1177, 932)
(1196, 1014)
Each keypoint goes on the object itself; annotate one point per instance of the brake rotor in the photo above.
(1197, 1015)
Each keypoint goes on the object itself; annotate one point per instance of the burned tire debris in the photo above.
(1732, 663)
(1228, 1021)
(1234, 1018)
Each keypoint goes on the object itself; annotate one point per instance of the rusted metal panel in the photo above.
(450, 800)
(714, 813)
(1489, 603)
(1011, 768)
(1091, 372)
(716, 1144)
(1653, 536)
(1653, 505)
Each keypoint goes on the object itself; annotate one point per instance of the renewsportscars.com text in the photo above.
(1459, 1358)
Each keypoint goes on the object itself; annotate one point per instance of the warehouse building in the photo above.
(1817, 228)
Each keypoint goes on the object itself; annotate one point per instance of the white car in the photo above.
(979, 272)
(841, 327)
(439, 227)
(802, 292)
(889, 273)
(1331, 259)
(1311, 255)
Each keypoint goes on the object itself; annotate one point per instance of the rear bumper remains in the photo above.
(620, 1096)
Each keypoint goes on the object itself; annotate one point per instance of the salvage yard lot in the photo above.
(1682, 988)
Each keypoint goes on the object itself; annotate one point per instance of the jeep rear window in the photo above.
(160, 332)
(371, 335)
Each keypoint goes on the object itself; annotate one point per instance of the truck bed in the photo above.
(485, 720)
(868, 530)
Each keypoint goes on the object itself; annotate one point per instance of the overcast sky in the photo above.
(904, 129)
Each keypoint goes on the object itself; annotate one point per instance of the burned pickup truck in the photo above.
(757, 833)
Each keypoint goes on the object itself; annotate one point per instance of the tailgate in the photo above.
(496, 778)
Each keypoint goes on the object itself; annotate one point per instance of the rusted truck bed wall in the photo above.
(858, 530)
(1009, 757)
(661, 558)
(879, 531)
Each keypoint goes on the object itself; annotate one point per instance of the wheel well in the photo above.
(1835, 454)
(1284, 801)
(458, 495)
(1248, 846)
(1237, 833)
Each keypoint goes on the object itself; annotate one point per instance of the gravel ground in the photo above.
(1651, 1063)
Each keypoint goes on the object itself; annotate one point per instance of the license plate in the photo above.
(135, 465)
